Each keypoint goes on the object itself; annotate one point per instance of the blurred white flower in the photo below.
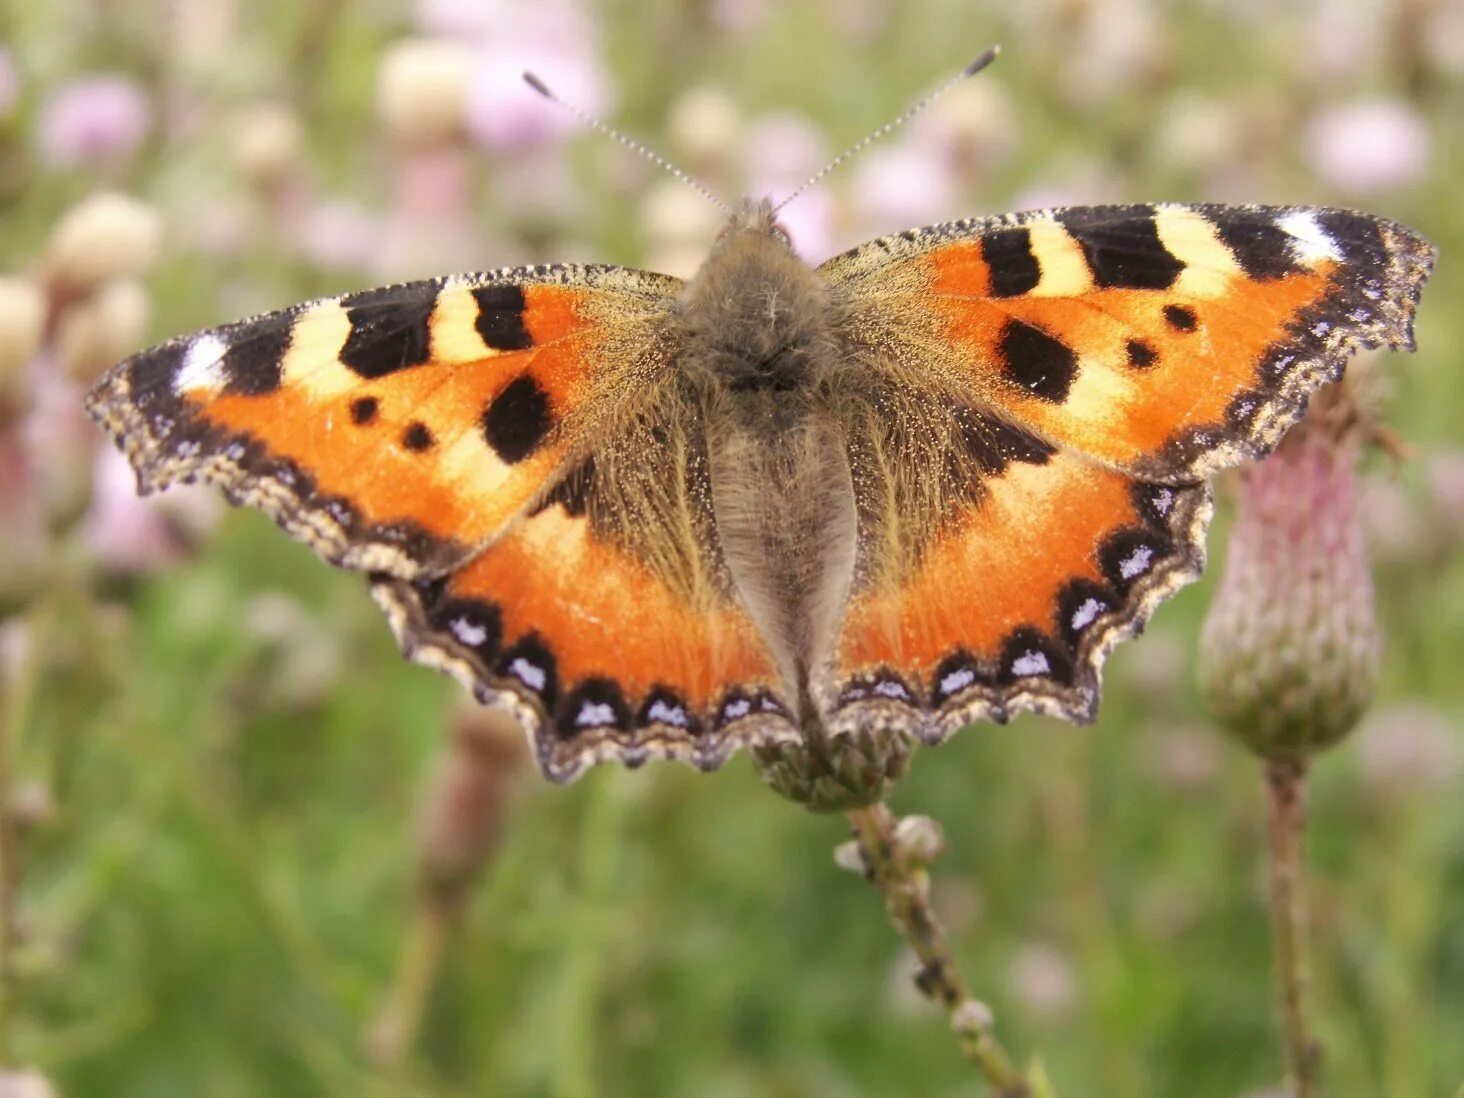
(1368, 145)
(95, 120)
(1042, 980)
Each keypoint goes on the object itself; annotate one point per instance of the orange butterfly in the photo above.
(934, 479)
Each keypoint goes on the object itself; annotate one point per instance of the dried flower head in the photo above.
(95, 120)
(836, 773)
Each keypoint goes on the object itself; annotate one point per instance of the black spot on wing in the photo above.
(417, 437)
(994, 444)
(1141, 355)
(1181, 318)
(1012, 266)
(253, 363)
(1123, 248)
(363, 411)
(517, 419)
(390, 329)
(1261, 248)
(500, 320)
(1038, 362)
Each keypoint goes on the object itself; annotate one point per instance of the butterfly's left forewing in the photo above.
(1075, 374)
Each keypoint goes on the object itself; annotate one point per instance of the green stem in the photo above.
(906, 888)
(14, 715)
(1286, 788)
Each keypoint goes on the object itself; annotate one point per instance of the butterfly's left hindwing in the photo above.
(1048, 391)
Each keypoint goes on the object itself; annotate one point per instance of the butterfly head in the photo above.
(755, 218)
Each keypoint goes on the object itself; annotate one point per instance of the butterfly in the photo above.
(931, 481)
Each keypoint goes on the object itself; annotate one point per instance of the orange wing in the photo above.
(396, 429)
(1114, 356)
(478, 445)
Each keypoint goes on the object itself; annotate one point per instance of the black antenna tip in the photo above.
(538, 85)
(981, 62)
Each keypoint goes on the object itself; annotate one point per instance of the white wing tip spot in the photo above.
(200, 367)
(1310, 243)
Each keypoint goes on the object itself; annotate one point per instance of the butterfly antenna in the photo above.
(629, 142)
(915, 108)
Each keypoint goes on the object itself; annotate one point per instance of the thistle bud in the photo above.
(102, 329)
(1290, 650)
(422, 90)
(836, 773)
(267, 142)
(106, 236)
(467, 800)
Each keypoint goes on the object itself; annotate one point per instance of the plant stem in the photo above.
(906, 887)
(1286, 789)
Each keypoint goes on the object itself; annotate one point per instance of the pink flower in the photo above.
(95, 120)
(1368, 145)
(505, 114)
(127, 533)
(340, 233)
(905, 184)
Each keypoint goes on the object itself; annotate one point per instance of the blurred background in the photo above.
(253, 851)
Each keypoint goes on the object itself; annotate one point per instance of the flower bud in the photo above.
(422, 90)
(101, 330)
(705, 124)
(1290, 650)
(104, 237)
(836, 773)
(467, 799)
(920, 839)
(267, 142)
